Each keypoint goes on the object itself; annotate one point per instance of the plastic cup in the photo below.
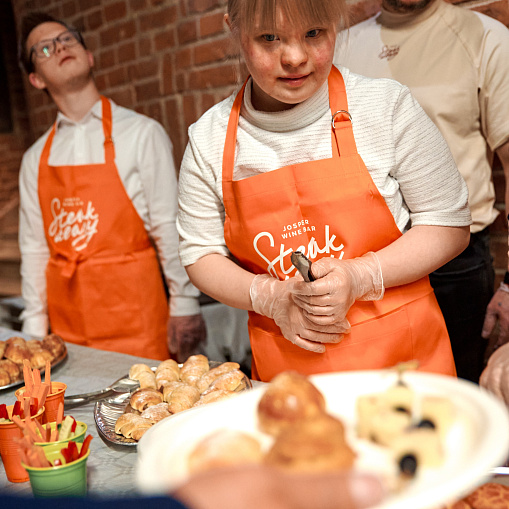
(52, 402)
(78, 437)
(9, 448)
(66, 480)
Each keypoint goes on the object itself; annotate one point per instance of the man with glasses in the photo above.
(98, 203)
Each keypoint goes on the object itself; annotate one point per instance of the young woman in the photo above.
(348, 170)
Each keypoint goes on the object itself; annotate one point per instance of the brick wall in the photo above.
(171, 60)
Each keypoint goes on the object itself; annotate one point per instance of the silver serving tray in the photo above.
(107, 411)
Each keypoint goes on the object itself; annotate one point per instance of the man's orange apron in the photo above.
(329, 207)
(104, 285)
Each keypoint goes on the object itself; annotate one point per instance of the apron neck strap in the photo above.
(109, 147)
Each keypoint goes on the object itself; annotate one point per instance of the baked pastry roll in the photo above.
(194, 368)
(171, 365)
(224, 448)
(213, 396)
(147, 379)
(230, 381)
(156, 413)
(17, 352)
(39, 357)
(55, 344)
(136, 369)
(183, 398)
(210, 376)
(165, 375)
(34, 345)
(132, 426)
(289, 398)
(312, 445)
(169, 387)
(5, 379)
(12, 368)
(3, 346)
(143, 398)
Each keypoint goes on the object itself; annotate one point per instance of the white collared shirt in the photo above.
(145, 164)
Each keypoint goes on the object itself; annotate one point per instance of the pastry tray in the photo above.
(106, 413)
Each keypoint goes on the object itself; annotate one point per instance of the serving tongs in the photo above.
(117, 390)
(303, 265)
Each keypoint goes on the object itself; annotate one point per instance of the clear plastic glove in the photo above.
(495, 376)
(498, 310)
(187, 336)
(273, 298)
(339, 283)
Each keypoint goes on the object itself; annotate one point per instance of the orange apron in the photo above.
(104, 284)
(329, 207)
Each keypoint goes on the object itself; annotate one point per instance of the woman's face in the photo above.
(288, 66)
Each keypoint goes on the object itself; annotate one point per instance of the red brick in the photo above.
(145, 69)
(187, 32)
(147, 90)
(199, 6)
(184, 58)
(117, 33)
(155, 111)
(189, 107)
(126, 52)
(68, 9)
(106, 59)
(498, 10)
(207, 101)
(164, 40)
(181, 81)
(173, 115)
(212, 24)
(210, 52)
(116, 11)
(94, 20)
(214, 77)
(101, 81)
(168, 75)
(158, 18)
(363, 9)
(122, 96)
(144, 46)
(137, 5)
(117, 77)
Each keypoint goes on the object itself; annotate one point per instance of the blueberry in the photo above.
(408, 464)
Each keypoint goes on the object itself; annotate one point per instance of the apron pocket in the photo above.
(110, 298)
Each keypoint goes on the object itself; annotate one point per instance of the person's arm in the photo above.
(498, 308)
(34, 250)
(186, 326)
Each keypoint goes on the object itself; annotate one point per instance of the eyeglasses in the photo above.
(46, 48)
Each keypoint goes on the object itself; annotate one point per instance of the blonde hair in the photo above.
(301, 13)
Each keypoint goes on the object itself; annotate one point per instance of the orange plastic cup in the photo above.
(9, 448)
(52, 402)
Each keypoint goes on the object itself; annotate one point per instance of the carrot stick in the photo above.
(23, 456)
(54, 435)
(60, 413)
(47, 373)
(37, 377)
(27, 376)
(48, 432)
(42, 457)
(32, 458)
(41, 429)
(31, 431)
(16, 420)
(45, 389)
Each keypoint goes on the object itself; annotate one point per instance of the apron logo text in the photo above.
(299, 228)
(311, 250)
(80, 225)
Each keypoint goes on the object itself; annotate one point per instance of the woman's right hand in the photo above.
(273, 298)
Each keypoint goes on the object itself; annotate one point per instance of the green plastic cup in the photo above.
(78, 437)
(66, 480)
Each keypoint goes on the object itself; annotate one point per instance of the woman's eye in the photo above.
(313, 33)
(269, 37)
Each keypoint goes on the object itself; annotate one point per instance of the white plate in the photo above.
(477, 442)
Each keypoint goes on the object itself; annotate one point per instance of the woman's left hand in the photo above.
(339, 283)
